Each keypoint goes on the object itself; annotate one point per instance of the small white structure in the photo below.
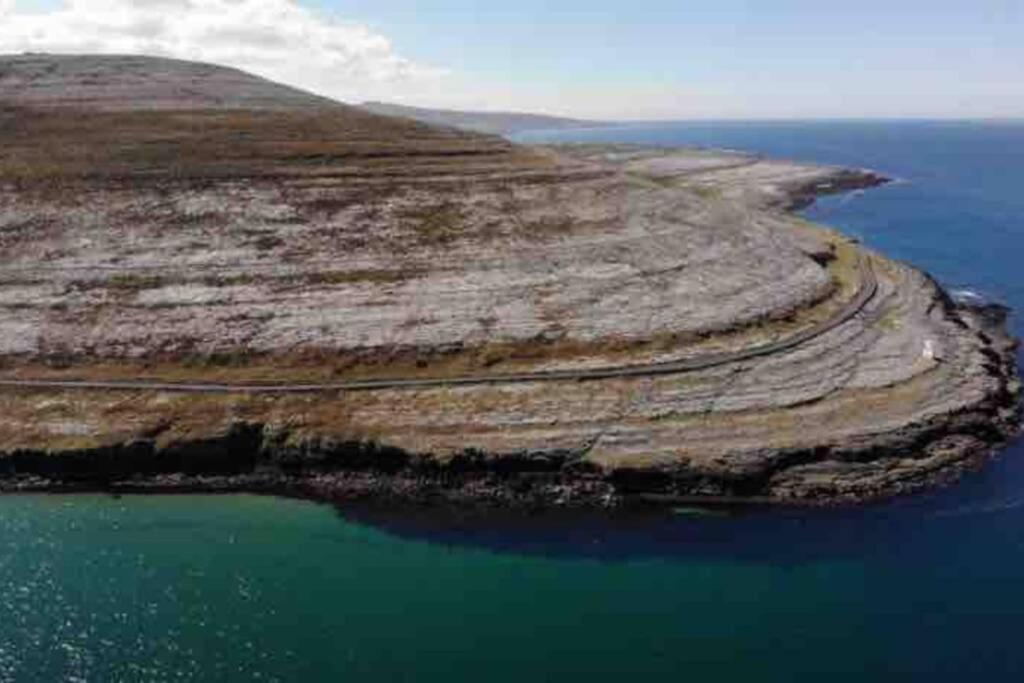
(930, 353)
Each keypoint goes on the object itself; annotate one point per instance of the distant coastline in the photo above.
(494, 123)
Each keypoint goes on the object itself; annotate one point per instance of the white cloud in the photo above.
(278, 39)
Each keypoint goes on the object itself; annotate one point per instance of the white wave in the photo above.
(982, 509)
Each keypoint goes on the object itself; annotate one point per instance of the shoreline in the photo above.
(251, 460)
(476, 486)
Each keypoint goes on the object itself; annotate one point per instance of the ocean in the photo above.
(246, 588)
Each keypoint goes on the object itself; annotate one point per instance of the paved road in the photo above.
(869, 287)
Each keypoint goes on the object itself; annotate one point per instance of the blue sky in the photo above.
(651, 58)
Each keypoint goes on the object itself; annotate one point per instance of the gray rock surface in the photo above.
(132, 82)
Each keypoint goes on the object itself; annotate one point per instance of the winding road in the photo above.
(867, 291)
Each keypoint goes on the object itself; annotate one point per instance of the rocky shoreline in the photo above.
(801, 197)
(255, 458)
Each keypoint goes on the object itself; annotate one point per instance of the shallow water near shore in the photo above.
(245, 588)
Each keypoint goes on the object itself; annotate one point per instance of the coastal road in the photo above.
(868, 289)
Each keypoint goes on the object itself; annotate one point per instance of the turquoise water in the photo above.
(243, 588)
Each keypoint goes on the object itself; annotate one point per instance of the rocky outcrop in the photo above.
(803, 194)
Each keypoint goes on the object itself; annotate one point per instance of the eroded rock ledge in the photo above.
(270, 458)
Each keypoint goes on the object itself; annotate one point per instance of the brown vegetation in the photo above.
(65, 146)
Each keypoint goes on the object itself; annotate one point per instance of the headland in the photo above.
(211, 282)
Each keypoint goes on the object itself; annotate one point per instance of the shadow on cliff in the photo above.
(984, 503)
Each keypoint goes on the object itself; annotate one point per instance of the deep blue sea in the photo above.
(243, 588)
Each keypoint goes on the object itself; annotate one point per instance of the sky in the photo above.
(601, 59)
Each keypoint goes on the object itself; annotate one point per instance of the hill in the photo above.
(211, 281)
(132, 83)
